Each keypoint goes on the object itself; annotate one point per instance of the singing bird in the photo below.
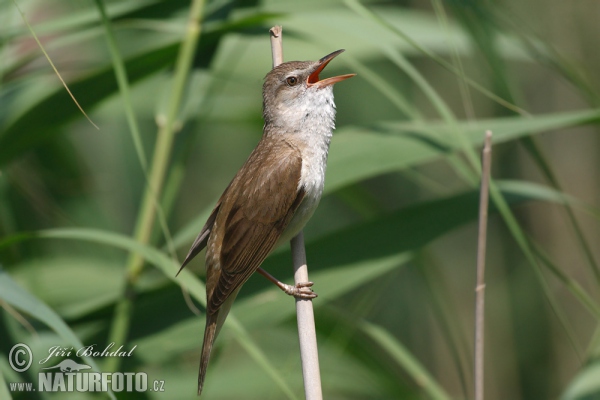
(275, 192)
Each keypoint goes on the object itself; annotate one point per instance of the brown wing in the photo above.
(254, 213)
(202, 238)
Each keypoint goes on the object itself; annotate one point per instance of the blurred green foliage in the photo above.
(391, 247)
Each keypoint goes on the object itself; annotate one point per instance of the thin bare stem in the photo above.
(276, 44)
(19, 318)
(53, 66)
(481, 244)
(307, 334)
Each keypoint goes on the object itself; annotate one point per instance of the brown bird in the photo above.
(275, 192)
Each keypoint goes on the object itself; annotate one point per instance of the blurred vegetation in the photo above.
(391, 247)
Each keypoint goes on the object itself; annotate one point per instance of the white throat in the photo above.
(311, 124)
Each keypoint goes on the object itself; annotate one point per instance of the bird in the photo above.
(273, 195)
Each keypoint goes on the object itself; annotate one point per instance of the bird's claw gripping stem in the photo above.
(301, 290)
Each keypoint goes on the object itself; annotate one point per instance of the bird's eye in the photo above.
(291, 80)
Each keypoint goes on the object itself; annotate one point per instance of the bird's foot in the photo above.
(302, 290)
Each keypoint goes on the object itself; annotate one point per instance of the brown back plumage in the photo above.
(241, 232)
(245, 231)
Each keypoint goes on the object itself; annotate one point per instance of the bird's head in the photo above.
(293, 93)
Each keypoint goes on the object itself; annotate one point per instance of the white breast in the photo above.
(315, 127)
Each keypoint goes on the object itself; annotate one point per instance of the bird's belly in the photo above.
(313, 191)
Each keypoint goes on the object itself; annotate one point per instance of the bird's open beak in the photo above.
(313, 79)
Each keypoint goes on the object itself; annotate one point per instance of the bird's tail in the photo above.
(210, 332)
(214, 322)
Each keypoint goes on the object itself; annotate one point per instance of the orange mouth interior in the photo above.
(314, 77)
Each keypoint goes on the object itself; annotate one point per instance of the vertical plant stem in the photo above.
(276, 44)
(307, 334)
(123, 82)
(480, 286)
(158, 170)
(164, 141)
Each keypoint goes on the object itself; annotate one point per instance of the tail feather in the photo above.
(214, 322)
(210, 333)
